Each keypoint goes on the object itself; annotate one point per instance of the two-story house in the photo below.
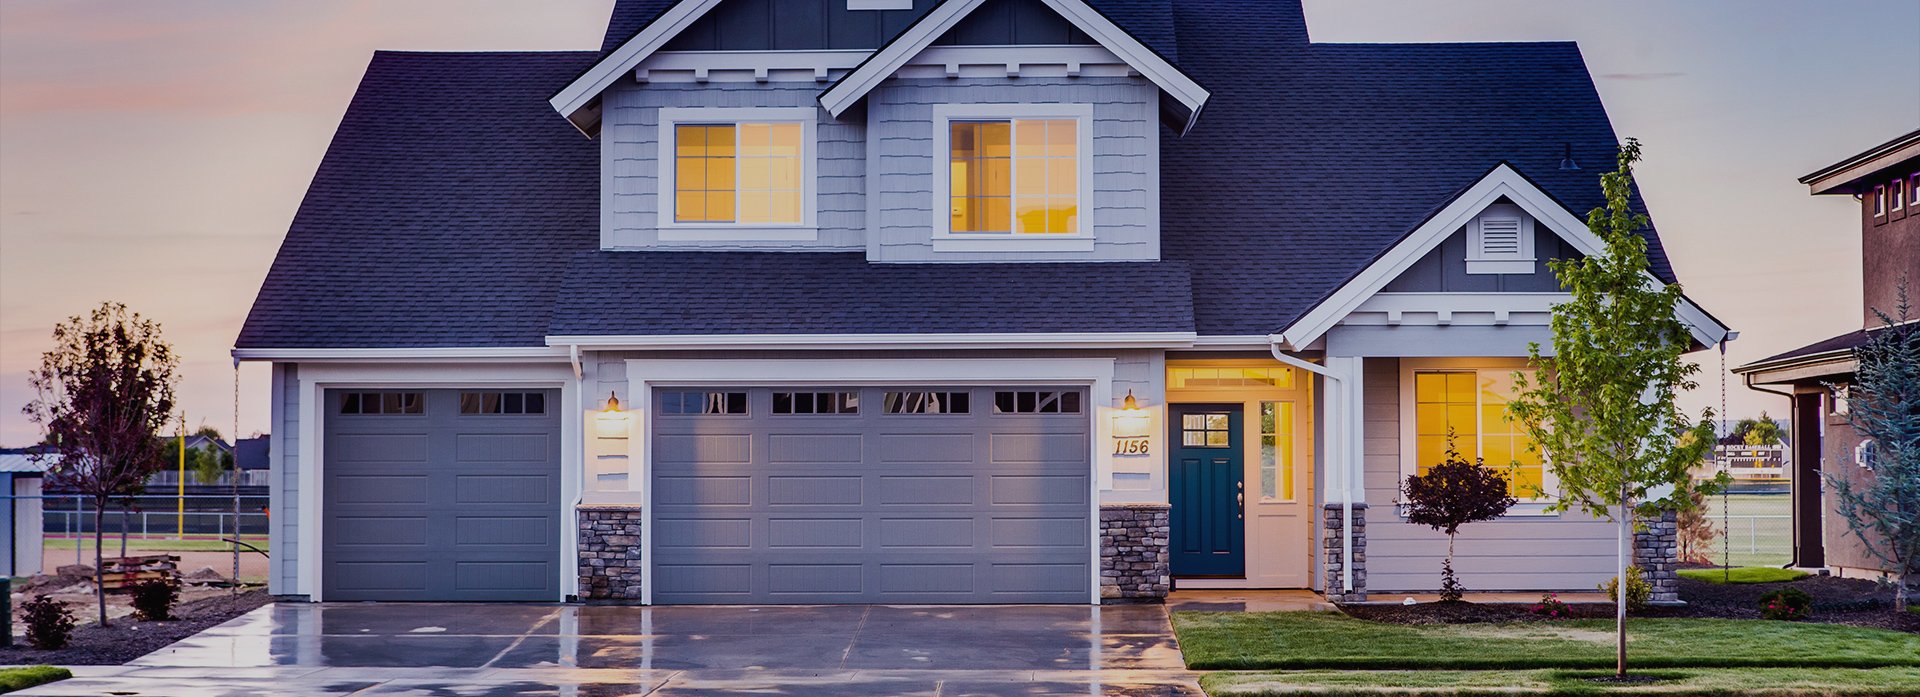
(1882, 180)
(925, 301)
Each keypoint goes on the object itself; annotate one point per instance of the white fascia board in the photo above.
(1503, 181)
(557, 353)
(1228, 342)
(584, 89)
(880, 341)
(850, 89)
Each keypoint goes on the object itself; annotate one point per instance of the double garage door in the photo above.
(871, 495)
(441, 495)
(760, 495)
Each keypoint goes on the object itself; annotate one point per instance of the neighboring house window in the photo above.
(1500, 241)
(503, 403)
(726, 172)
(926, 402)
(1276, 451)
(1864, 454)
(383, 403)
(1898, 191)
(687, 402)
(1010, 176)
(816, 402)
(1470, 406)
(1879, 200)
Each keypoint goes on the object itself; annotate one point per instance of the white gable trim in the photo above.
(1505, 181)
(581, 93)
(890, 58)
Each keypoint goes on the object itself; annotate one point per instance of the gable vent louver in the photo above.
(1500, 237)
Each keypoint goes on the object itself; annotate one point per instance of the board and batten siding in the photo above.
(630, 168)
(1568, 551)
(283, 480)
(1124, 212)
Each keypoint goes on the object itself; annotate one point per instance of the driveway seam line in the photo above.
(549, 617)
(847, 654)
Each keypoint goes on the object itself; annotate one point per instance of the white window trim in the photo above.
(946, 240)
(1409, 464)
(1480, 262)
(1880, 201)
(671, 230)
(1900, 194)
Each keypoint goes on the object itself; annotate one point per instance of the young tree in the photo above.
(1601, 409)
(1883, 405)
(1451, 494)
(102, 395)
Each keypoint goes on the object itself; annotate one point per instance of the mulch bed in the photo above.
(126, 639)
(1849, 601)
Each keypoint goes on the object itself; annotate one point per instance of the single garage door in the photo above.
(871, 495)
(441, 495)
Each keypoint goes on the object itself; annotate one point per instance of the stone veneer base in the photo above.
(1656, 550)
(611, 567)
(1134, 564)
(1332, 557)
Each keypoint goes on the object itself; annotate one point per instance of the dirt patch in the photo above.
(1463, 613)
(1851, 601)
(126, 639)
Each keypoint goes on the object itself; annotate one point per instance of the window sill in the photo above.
(1012, 243)
(729, 233)
(1500, 266)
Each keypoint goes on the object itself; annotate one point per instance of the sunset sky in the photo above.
(153, 152)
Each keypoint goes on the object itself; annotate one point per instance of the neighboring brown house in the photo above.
(1884, 179)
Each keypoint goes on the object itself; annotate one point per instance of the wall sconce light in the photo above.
(612, 422)
(1132, 428)
(1130, 404)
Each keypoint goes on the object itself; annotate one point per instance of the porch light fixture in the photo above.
(613, 403)
(612, 422)
(1132, 428)
(1130, 404)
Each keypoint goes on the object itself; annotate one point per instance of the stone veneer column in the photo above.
(1656, 550)
(1133, 552)
(1331, 585)
(610, 562)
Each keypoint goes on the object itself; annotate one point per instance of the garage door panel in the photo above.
(440, 505)
(871, 506)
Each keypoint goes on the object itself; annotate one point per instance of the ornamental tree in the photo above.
(1451, 494)
(102, 395)
(1883, 406)
(1602, 409)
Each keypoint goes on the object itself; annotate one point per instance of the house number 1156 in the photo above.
(1130, 446)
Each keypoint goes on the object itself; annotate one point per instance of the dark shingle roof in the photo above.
(1844, 342)
(453, 200)
(668, 293)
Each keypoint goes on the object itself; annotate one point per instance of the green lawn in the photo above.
(27, 676)
(1744, 574)
(1680, 682)
(137, 546)
(1301, 640)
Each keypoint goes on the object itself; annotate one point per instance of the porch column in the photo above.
(1344, 513)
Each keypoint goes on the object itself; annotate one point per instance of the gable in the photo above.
(1014, 23)
(1446, 269)
(793, 25)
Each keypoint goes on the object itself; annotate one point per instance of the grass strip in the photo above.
(1744, 574)
(1305, 640)
(1673, 682)
(28, 676)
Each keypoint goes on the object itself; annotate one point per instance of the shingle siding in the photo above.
(1125, 141)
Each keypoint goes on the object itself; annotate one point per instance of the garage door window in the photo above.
(816, 402)
(927, 403)
(383, 403)
(1036, 402)
(688, 402)
(503, 403)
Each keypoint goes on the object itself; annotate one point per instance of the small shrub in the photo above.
(153, 600)
(1638, 590)
(1453, 493)
(1551, 606)
(49, 623)
(1786, 604)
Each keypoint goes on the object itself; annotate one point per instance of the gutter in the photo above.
(1337, 445)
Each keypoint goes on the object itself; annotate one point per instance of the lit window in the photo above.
(1228, 378)
(1206, 430)
(1471, 407)
(1019, 176)
(1276, 451)
(738, 173)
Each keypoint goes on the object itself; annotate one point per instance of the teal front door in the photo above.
(1206, 486)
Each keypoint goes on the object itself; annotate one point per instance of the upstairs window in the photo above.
(1879, 201)
(724, 169)
(1012, 176)
(1897, 195)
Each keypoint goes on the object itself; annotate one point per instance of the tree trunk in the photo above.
(126, 522)
(99, 569)
(1620, 591)
(1900, 593)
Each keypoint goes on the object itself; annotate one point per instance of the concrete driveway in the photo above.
(597, 651)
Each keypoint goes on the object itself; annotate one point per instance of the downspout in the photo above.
(580, 435)
(1338, 449)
